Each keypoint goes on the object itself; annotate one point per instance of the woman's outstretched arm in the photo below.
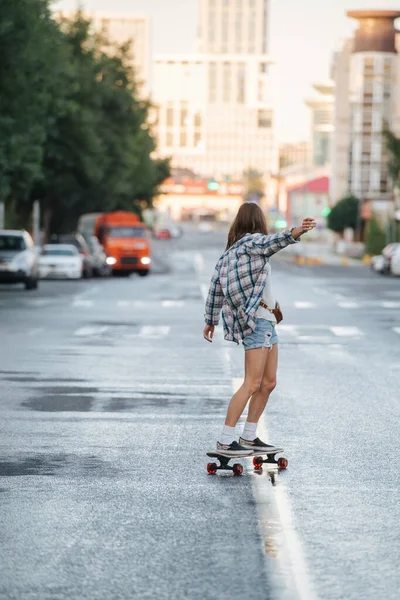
(267, 245)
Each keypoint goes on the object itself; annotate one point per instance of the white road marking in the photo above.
(283, 328)
(304, 305)
(291, 556)
(91, 331)
(346, 331)
(396, 330)
(198, 261)
(388, 304)
(78, 303)
(154, 332)
(348, 304)
(38, 302)
(204, 290)
(172, 304)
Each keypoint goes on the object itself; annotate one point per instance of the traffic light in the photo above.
(280, 223)
(213, 185)
(326, 211)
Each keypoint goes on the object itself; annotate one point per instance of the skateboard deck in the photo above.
(259, 459)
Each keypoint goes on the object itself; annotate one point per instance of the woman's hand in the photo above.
(306, 225)
(208, 332)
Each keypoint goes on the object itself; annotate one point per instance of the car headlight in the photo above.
(146, 260)
(110, 260)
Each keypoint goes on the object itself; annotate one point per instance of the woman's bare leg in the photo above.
(254, 365)
(259, 400)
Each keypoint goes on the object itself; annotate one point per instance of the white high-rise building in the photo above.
(215, 115)
(367, 99)
(322, 123)
(135, 28)
(233, 26)
(215, 108)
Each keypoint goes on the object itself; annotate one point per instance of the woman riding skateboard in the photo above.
(241, 291)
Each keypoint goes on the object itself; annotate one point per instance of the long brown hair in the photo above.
(250, 219)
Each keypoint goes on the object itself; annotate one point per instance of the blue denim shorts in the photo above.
(264, 336)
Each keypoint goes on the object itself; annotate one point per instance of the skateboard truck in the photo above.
(224, 465)
(259, 461)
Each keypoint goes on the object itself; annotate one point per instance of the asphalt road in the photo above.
(109, 399)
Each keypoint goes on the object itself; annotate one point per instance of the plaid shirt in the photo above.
(237, 285)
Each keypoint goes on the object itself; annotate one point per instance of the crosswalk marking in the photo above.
(154, 332)
(390, 304)
(346, 331)
(348, 304)
(304, 305)
(80, 303)
(91, 331)
(172, 303)
(396, 330)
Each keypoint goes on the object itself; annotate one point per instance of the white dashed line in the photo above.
(304, 305)
(388, 304)
(348, 305)
(90, 331)
(293, 565)
(346, 331)
(78, 303)
(154, 332)
(172, 304)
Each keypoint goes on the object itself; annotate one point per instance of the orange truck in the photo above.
(126, 240)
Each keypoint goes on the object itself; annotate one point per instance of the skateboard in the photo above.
(259, 459)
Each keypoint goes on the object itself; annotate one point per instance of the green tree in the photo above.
(344, 214)
(375, 238)
(254, 188)
(28, 50)
(393, 146)
(98, 154)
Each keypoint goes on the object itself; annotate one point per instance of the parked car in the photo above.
(18, 258)
(77, 240)
(382, 262)
(99, 257)
(163, 234)
(61, 260)
(395, 261)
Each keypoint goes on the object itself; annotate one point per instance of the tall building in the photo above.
(367, 99)
(322, 123)
(215, 108)
(296, 153)
(215, 115)
(120, 28)
(233, 26)
(341, 122)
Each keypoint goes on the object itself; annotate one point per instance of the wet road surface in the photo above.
(109, 399)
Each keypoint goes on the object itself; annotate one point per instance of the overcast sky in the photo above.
(303, 36)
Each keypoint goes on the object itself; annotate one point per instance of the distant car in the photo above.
(395, 261)
(163, 234)
(99, 257)
(79, 242)
(18, 258)
(205, 227)
(61, 260)
(382, 262)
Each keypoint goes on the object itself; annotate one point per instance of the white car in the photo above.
(61, 260)
(18, 258)
(395, 262)
(382, 262)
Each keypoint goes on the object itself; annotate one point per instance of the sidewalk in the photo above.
(314, 254)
